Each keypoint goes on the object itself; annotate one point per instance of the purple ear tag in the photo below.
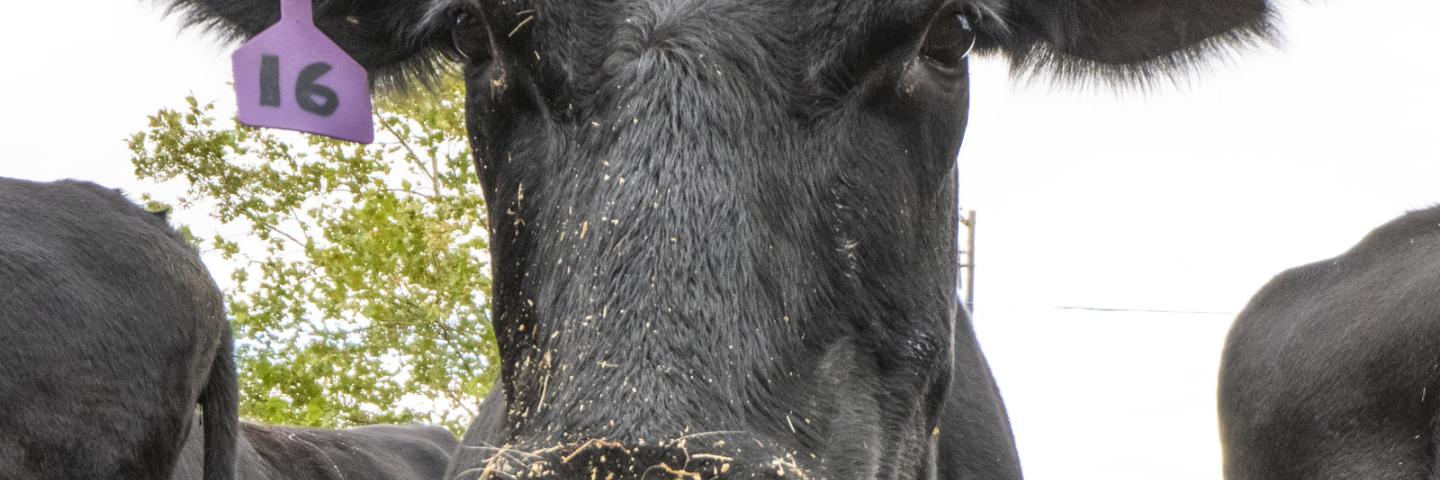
(292, 76)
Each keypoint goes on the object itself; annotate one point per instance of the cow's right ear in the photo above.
(396, 40)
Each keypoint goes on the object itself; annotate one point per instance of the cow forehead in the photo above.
(809, 7)
(584, 19)
(814, 47)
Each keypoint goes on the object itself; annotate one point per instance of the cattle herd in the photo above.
(724, 246)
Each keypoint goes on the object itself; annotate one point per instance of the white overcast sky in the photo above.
(1184, 199)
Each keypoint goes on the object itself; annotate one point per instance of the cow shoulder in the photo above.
(1324, 326)
(282, 453)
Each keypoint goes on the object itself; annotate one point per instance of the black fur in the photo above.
(220, 403)
(111, 331)
(1333, 370)
(724, 231)
(1124, 43)
(378, 452)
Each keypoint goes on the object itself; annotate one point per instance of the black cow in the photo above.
(111, 331)
(376, 452)
(1333, 369)
(724, 231)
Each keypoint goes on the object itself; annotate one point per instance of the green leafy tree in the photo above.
(359, 272)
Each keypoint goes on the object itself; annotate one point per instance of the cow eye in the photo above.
(949, 40)
(471, 36)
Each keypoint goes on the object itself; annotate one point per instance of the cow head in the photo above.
(724, 231)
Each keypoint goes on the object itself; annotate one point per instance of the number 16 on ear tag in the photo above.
(292, 76)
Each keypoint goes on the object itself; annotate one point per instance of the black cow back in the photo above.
(378, 452)
(109, 325)
(1332, 370)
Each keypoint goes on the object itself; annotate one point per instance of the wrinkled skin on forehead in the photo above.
(724, 232)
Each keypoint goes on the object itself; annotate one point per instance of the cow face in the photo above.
(720, 217)
(724, 230)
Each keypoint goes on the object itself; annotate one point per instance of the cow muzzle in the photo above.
(717, 457)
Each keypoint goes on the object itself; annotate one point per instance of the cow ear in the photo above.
(1127, 41)
(397, 41)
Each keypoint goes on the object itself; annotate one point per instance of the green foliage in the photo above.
(360, 272)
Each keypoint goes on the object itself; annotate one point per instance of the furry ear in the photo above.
(1128, 41)
(396, 40)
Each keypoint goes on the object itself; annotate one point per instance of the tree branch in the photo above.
(411, 155)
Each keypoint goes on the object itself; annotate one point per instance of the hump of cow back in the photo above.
(111, 323)
(362, 453)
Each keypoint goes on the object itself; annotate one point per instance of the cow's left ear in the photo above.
(1128, 39)
(396, 40)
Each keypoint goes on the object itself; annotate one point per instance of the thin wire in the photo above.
(1141, 310)
(1085, 308)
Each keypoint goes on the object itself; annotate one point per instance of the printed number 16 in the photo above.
(307, 92)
